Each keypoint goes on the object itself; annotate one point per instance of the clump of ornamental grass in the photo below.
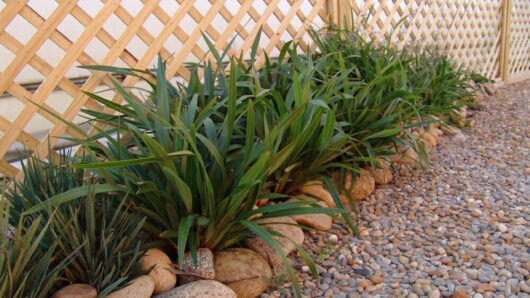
(42, 180)
(442, 85)
(26, 269)
(377, 107)
(106, 237)
(78, 220)
(284, 95)
(189, 164)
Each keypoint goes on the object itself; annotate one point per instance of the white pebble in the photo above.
(502, 228)
(333, 238)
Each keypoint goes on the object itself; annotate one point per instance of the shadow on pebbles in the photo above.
(461, 229)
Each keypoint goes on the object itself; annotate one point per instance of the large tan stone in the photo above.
(204, 269)
(434, 124)
(363, 186)
(287, 227)
(489, 88)
(318, 221)
(317, 189)
(162, 273)
(431, 139)
(76, 291)
(394, 158)
(427, 141)
(200, 289)
(409, 156)
(242, 270)
(458, 116)
(382, 175)
(404, 154)
(479, 97)
(140, 287)
(436, 132)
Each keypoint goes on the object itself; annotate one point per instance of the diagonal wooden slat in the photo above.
(30, 48)
(10, 12)
(155, 47)
(180, 57)
(58, 72)
(283, 26)
(95, 79)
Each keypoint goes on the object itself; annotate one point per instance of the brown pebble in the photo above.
(365, 283)
(377, 279)
(460, 294)
(481, 288)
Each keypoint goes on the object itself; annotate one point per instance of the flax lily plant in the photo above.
(190, 164)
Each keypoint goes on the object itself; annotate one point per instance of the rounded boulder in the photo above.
(242, 270)
(317, 189)
(140, 287)
(161, 273)
(286, 226)
(200, 289)
(382, 175)
(318, 221)
(76, 291)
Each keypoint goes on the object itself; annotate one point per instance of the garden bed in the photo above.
(207, 185)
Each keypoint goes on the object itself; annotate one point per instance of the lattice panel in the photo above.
(469, 31)
(519, 54)
(120, 33)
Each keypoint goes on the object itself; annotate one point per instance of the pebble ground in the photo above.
(461, 229)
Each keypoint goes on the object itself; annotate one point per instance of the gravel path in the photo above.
(461, 230)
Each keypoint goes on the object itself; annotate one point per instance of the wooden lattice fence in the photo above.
(479, 34)
(42, 43)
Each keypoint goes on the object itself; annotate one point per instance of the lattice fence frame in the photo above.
(490, 36)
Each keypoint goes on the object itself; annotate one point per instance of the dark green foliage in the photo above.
(93, 223)
(194, 171)
(42, 180)
(25, 269)
(441, 85)
(107, 239)
(376, 105)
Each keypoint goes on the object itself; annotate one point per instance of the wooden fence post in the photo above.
(332, 9)
(339, 11)
(504, 60)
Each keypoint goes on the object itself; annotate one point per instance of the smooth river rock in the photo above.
(140, 287)
(318, 221)
(291, 232)
(200, 289)
(242, 270)
(162, 273)
(76, 291)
